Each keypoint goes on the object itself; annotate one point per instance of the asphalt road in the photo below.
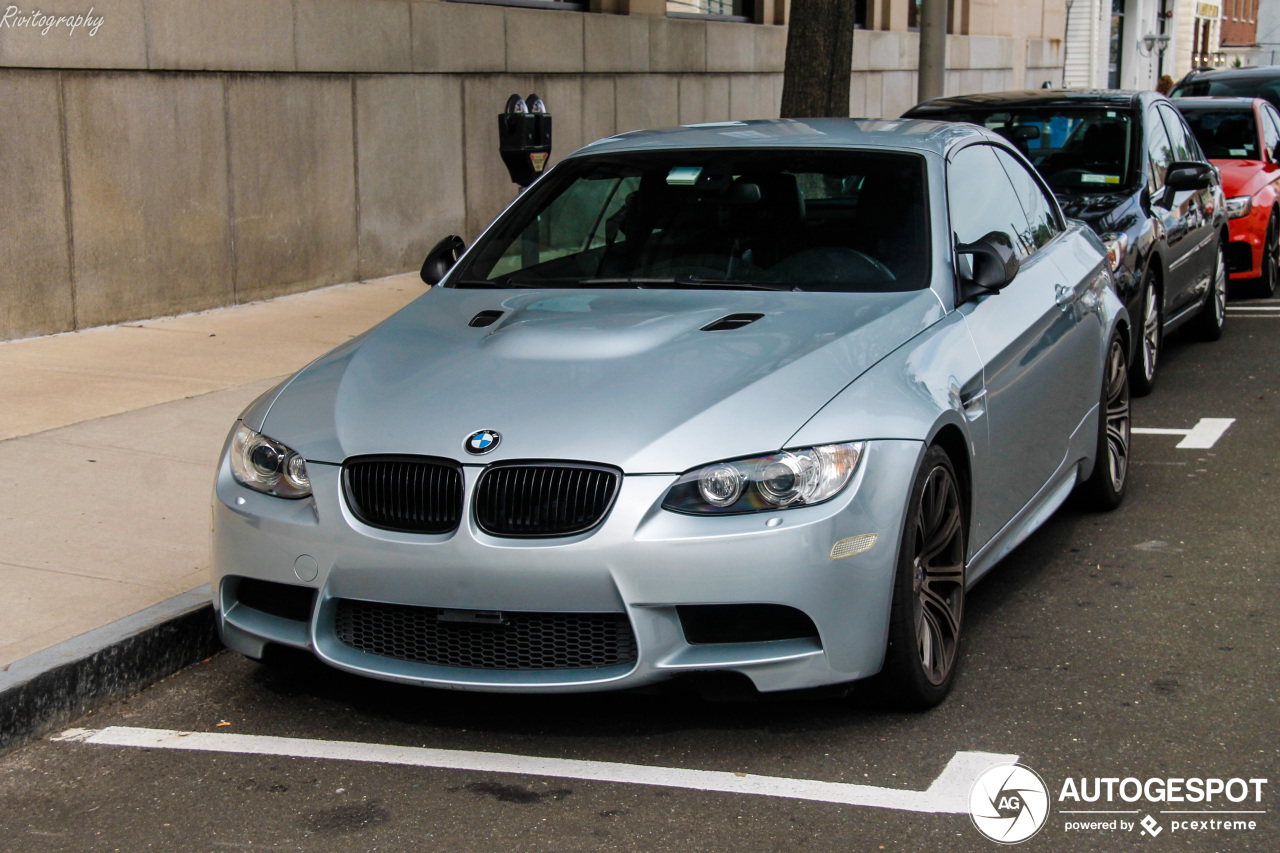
(1140, 644)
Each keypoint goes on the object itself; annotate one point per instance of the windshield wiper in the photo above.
(688, 280)
(497, 283)
(621, 282)
(641, 283)
(677, 281)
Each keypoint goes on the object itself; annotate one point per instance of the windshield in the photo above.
(1238, 87)
(1089, 149)
(785, 220)
(1225, 134)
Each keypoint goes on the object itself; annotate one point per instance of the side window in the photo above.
(1035, 204)
(622, 188)
(1160, 149)
(1270, 130)
(576, 222)
(982, 200)
(1179, 136)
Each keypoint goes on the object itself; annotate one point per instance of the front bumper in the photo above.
(1248, 241)
(642, 561)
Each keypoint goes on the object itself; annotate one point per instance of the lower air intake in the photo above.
(518, 642)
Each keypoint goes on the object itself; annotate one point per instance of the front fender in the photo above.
(912, 394)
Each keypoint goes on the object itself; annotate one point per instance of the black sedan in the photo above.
(1253, 82)
(1125, 163)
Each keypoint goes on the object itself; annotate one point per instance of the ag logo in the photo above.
(1009, 803)
(482, 442)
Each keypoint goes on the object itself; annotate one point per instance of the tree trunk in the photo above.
(819, 59)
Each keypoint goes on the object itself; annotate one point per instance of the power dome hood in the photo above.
(621, 377)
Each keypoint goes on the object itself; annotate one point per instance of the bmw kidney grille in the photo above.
(409, 494)
(536, 499)
(425, 495)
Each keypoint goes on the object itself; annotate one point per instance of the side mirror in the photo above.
(992, 265)
(1188, 175)
(442, 258)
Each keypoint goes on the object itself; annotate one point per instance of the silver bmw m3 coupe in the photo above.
(760, 398)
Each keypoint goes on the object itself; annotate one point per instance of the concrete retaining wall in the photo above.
(209, 152)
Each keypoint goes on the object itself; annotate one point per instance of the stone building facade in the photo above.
(190, 154)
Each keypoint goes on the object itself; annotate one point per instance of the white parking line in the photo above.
(1202, 436)
(949, 793)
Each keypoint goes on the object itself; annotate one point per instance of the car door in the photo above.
(1024, 337)
(1196, 208)
(1077, 266)
(1169, 209)
(1269, 126)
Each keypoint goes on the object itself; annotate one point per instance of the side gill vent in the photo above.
(484, 318)
(733, 321)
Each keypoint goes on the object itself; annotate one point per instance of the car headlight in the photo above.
(1239, 206)
(1117, 245)
(777, 481)
(265, 465)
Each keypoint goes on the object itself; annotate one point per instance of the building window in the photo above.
(732, 10)
(1117, 44)
(571, 5)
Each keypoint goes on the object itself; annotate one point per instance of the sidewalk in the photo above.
(108, 443)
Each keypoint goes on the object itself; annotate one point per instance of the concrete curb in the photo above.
(52, 687)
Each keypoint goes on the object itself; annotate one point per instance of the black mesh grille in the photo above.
(415, 495)
(543, 500)
(522, 641)
(1239, 257)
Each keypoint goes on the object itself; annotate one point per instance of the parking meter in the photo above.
(524, 138)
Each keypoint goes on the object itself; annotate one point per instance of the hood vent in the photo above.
(733, 321)
(484, 318)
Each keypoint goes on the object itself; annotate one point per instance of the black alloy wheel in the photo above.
(1147, 359)
(1105, 488)
(1213, 316)
(928, 599)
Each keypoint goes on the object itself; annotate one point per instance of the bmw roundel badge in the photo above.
(482, 442)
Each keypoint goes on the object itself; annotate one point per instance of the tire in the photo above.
(1105, 488)
(1208, 324)
(1146, 360)
(1264, 286)
(928, 594)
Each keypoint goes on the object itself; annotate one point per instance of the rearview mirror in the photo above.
(1188, 175)
(442, 258)
(992, 265)
(1020, 132)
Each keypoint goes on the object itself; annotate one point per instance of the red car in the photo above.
(1241, 136)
